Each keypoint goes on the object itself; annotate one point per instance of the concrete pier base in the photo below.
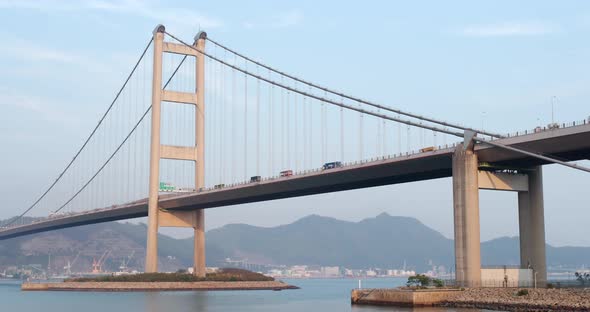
(466, 216)
(199, 248)
(531, 217)
(402, 297)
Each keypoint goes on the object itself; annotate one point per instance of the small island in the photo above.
(222, 279)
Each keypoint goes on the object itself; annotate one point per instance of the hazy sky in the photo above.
(494, 64)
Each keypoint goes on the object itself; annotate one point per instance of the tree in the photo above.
(583, 278)
(419, 280)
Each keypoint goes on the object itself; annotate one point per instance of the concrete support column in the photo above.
(532, 227)
(199, 248)
(151, 257)
(523, 229)
(466, 215)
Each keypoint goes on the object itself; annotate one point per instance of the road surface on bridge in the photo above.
(570, 143)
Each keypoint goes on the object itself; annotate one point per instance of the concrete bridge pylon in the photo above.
(158, 217)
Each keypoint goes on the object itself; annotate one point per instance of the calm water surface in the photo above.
(315, 295)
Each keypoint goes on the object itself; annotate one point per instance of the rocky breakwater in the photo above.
(511, 299)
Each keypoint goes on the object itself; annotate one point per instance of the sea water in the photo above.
(315, 295)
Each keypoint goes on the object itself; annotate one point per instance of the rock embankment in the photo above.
(156, 286)
(506, 299)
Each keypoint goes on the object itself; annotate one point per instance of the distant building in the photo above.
(330, 271)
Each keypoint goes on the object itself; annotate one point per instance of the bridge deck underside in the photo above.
(569, 143)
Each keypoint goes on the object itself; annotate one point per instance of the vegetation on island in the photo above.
(423, 281)
(583, 278)
(222, 275)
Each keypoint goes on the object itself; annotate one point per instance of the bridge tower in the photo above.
(467, 181)
(158, 217)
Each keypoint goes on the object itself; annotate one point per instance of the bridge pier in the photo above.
(467, 181)
(531, 219)
(466, 216)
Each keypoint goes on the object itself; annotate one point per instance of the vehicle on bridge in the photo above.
(332, 165)
(219, 186)
(183, 190)
(286, 173)
(255, 179)
(427, 149)
(56, 215)
(167, 187)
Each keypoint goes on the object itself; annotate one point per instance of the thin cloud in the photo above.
(46, 110)
(283, 20)
(288, 19)
(25, 50)
(509, 29)
(144, 9)
(36, 5)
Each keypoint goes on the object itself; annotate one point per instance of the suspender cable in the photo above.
(365, 112)
(399, 137)
(221, 135)
(245, 127)
(359, 100)
(408, 139)
(341, 131)
(384, 138)
(295, 141)
(324, 128)
(319, 98)
(288, 123)
(271, 135)
(305, 129)
(86, 141)
(118, 146)
(283, 140)
(361, 147)
(257, 127)
(378, 141)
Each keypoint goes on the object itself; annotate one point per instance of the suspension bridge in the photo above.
(199, 125)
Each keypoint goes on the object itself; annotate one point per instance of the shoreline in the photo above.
(505, 299)
(501, 299)
(155, 286)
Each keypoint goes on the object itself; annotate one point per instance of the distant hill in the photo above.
(383, 241)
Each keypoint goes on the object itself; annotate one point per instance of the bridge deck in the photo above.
(571, 143)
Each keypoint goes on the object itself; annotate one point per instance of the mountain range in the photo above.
(383, 241)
